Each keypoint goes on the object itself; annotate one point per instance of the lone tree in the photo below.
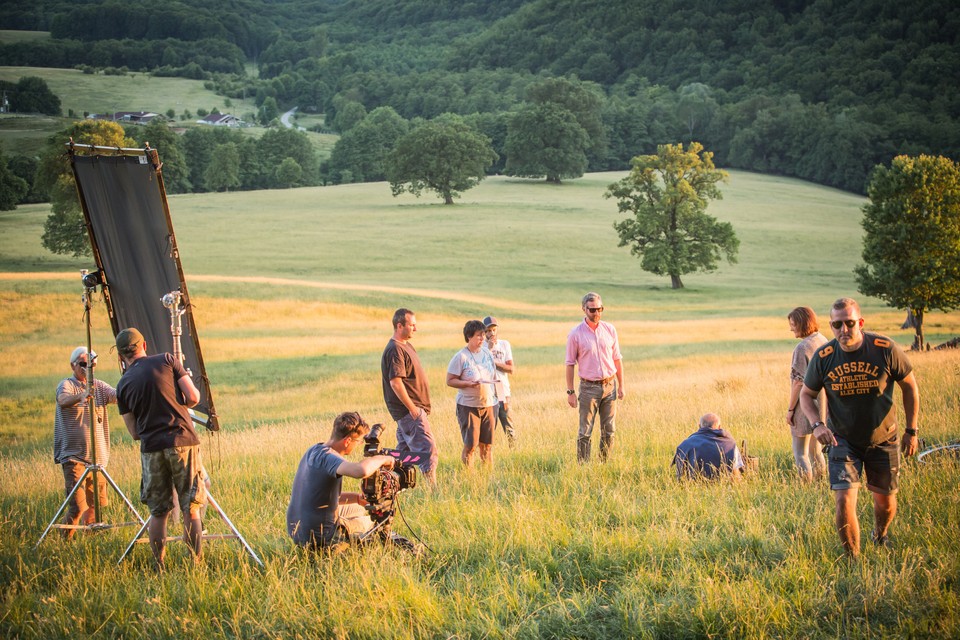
(667, 195)
(223, 172)
(912, 242)
(444, 155)
(64, 231)
(557, 132)
(546, 140)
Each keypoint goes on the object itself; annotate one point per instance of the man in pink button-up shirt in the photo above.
(593, 348)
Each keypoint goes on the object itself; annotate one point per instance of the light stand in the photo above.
(173, 301)
(90, 282)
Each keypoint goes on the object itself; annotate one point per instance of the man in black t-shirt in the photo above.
(169, 447)
(858, 371)
(319, 514)
(407, 395)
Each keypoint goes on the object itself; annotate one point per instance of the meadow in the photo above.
(82, 93)
(293, 293)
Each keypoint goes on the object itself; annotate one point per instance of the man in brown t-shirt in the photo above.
(406, 393)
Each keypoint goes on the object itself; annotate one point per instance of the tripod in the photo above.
(93, 469)
(173, 301)
(235, 534)
(382, 530)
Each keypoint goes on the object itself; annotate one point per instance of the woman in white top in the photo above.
(473, 373)
(807, 453)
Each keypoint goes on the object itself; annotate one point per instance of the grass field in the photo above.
(293, 292)
(11, 36)
(94, 93)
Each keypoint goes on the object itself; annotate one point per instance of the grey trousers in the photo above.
(596, 399)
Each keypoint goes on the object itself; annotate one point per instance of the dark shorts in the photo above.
(880, 462)
(177, 468)
(476, 424)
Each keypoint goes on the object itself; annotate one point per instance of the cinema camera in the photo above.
(380, 489)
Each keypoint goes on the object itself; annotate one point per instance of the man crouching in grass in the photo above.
(148, 401)
(319, 514)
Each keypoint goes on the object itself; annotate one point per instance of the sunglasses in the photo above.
(594, 309)
(836, 324)
(83, 363)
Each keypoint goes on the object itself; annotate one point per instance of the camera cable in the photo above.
(409, 528)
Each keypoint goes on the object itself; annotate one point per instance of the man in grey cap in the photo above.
(71, 437)
(147, 397)
(503, 359)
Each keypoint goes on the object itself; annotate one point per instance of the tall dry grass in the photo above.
(535, 547)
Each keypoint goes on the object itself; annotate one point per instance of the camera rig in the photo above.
(380, 488)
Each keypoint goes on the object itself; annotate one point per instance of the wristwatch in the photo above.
(910, 431)
(570, 392)
(818, 424)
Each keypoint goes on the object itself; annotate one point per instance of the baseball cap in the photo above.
(80, 351)
(129, 340)
(489, 321)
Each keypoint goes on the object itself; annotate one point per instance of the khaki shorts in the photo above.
(83, 498)
(179, 468)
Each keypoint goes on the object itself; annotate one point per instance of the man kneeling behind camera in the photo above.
(320, 515)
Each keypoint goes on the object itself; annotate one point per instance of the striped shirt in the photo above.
(71, 426)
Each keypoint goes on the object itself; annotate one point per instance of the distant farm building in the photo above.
(126, 117)
(221, 120)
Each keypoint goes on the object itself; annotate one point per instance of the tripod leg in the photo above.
(95, 470)
(223, 515)
(120, 493)
(143, 528)
(63, 507)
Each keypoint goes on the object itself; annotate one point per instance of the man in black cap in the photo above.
(147, 397)
(503, 359)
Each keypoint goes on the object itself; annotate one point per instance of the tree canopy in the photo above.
(444, 155)
(821, 90)
(911, 245)
(667, 196)
(65, 231)
(545, 140)
(12, 187)
(31, 95)
(359, 155)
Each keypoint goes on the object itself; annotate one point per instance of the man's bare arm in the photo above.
(131, 423)
(397, 385)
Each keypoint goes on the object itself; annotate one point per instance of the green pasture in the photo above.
(97, 93)
(12, 36)
(293, 292)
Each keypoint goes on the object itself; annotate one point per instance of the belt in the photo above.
(604, 381)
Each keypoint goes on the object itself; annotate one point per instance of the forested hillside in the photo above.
(823, 90)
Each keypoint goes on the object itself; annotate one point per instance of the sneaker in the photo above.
(407, 545)
(881, 541)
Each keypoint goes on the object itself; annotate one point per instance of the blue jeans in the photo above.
(416, 435)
